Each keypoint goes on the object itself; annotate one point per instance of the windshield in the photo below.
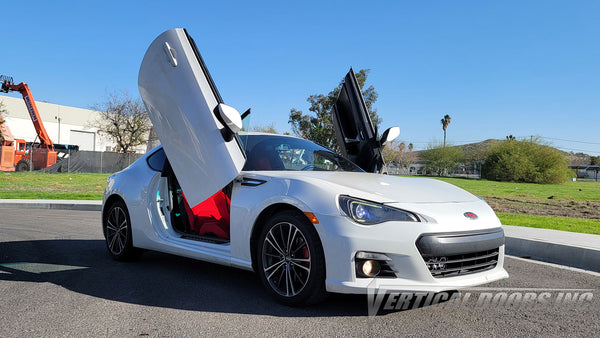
(266, 152)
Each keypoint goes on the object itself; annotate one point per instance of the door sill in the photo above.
(206, 239)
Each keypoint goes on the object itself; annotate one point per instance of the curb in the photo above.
(560, 247)
(91, 205)
(574, 256)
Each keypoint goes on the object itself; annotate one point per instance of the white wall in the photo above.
(73, 121)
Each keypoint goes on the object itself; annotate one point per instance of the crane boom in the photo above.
(8, 86)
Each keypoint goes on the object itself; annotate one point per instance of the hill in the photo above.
(477, 152)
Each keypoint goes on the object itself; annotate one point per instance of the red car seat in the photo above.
(210, 216)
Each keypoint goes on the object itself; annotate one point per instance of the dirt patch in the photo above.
(549, 207)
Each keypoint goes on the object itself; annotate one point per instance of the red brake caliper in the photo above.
(305, 251)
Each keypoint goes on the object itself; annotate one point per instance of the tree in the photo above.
(407, 159)
(445, 123)
(392, 152)
(319, 127)
(265, 129)
(124, 119)
(526, 161)
(396, 153)
(440, 160)
(595, 160)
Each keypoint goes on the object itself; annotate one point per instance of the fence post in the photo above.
(101, 161)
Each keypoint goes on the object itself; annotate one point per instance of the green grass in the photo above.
(578, 191)
(34, 185)
(587, 226)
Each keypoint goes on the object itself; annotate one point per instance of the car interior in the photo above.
(208, 221)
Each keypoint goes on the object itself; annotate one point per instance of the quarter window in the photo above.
(156, 161)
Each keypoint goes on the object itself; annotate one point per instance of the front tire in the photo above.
(290, 260)
(23, 165)
(116, 226)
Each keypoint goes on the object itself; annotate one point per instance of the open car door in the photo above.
(197, 131)
(354, 130)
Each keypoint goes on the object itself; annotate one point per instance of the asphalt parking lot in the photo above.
(56, 279)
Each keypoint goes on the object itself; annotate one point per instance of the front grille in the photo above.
(460, 253)
(462, 264)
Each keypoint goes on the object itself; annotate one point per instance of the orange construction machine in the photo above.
(11, 149)
(40, 154)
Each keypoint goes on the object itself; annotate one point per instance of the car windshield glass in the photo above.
(267, 152)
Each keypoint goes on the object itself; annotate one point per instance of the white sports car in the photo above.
(306, 220)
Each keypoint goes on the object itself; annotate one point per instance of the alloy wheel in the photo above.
(286, 259)
(116, 230)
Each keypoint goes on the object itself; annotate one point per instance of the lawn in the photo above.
(35, 185)
(577, 191)
(540, 205)
(586, 226)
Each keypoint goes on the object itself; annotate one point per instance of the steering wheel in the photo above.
(310, 166)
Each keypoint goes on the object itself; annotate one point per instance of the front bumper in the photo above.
(410, 246)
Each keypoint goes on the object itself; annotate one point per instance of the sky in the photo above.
(521, 68)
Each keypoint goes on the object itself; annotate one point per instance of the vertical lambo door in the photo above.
(190, 198)
(197, 131)
(354, 130)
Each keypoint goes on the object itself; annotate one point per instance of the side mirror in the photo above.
(389, 135)
(230, 117)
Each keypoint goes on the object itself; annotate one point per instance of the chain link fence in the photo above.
(92, 162)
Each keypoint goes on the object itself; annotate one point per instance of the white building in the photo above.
(64, 124)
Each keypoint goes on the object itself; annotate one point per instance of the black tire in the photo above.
(290, 260)
(116, 226)
(23, 165)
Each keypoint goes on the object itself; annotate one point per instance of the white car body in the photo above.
(448, 218)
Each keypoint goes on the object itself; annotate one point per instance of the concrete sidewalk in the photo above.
(560, 247)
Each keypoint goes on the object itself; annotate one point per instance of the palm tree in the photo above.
(445, 123)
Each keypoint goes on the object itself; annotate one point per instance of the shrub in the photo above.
(441, 160)
(526, 161)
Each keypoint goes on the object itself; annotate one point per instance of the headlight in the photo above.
(365, 212)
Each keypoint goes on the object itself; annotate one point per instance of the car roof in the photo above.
(242, 133)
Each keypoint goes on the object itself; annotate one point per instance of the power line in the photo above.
(582, 150)
(560, 139)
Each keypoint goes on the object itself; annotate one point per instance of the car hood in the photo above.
(381, 188)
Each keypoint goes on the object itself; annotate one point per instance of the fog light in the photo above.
(371, 268)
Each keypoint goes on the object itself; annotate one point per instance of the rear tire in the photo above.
(290, 260)
(116, 226)
(23, 165)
